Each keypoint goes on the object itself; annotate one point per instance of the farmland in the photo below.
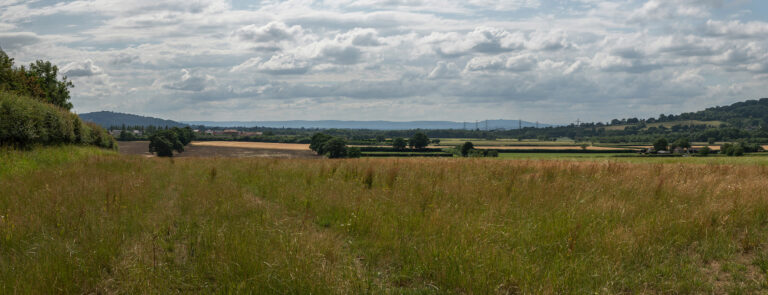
(226, 149)
(87, 221)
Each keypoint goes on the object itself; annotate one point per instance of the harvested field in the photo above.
(217, 149)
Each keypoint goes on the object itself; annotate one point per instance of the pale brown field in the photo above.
(254, 145)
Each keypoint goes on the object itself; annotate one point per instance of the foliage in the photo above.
(39, 81)
(466, 148)
(25, 122)
(739, 148)
(335, 147)
(683, 143)
(660, 144)
(164, 142)
(317, 143)
(354, 152)
(704, 151)
(419, 140)
(399, 143)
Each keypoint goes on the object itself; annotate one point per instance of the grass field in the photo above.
(96, 222)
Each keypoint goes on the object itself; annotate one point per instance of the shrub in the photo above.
(466, 147)
(399, 143)
(354, 152)
(336, 147)
(318, 142)
(704, 151)
(25, 122)
(164, 142)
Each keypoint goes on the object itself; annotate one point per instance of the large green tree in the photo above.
(399, 143)
(164, 142)
(40, 80)
(466, 148)
(317, 142)
(419, 140)
(335, 148)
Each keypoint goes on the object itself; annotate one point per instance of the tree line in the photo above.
(34, 109)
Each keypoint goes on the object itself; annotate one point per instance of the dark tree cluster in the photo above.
(332, 147)
(165, 142)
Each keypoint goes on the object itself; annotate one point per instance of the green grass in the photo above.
(18, 162)
(504, 142)
(560, 155)
(106, 223)
(750, 159)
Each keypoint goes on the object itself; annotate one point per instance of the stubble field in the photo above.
(94, 222)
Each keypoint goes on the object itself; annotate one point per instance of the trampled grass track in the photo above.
(121, 224)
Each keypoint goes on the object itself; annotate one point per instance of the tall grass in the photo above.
(111, 223)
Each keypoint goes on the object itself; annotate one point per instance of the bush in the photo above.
(354, 152)
(466, 148)
(25, 122)
(399, 143)
(164, 142)
(336, 147)
(704, 151)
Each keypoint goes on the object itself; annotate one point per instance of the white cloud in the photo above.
(84, 68)
(190, 82)
(444, 70)
(737, 29)
(271, 32)
(179, 56)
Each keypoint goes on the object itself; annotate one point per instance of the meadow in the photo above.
(83, 220)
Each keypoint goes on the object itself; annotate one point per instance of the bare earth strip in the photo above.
(254, 145)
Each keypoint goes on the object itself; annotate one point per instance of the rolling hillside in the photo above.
(375, 125)
(745, 113)
(107, 119)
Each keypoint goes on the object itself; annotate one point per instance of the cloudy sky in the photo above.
(553, 61)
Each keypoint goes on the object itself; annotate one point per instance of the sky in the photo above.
(551, 61)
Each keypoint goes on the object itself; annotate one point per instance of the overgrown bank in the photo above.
(26, 122)
(34, 109)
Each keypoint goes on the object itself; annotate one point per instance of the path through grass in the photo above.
(111, 223)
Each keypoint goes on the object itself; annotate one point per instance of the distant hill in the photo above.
(745, 113)
(376, 125)
(107, 119)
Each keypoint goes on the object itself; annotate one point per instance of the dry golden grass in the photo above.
(254, 145)
(118, 224)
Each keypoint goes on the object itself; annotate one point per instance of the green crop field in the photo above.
(82, 220)
(504, 142)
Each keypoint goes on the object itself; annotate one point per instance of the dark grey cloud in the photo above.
(16, 41)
